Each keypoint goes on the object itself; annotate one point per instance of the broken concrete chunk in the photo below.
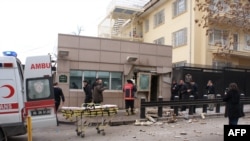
(150, 118)
(203, 115)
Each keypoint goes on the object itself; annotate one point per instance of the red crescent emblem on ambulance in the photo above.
(11, 91)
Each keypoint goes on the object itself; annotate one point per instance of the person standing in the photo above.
(174, 89)
(210, 93)
(193, 91)
(183, 93)
(233, 107)
(58, 96)
(94, 84)
(88, 92)
(129, 90)
(98, 92)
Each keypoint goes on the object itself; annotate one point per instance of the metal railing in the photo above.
(176, 103)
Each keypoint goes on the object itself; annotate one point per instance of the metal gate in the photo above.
(220, 77)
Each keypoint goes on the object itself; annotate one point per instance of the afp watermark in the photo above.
(241, 132)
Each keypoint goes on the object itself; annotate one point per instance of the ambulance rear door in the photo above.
(11, 91)
(39, 98)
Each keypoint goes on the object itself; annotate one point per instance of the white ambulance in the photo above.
(25, 92)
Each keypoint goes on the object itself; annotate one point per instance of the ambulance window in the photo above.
(39, 89)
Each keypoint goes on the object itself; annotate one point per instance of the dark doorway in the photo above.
(154, 88)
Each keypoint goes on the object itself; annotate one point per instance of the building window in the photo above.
(235, 41)
(116, 80)
(146, 25)
(90, 76)
(105, 78)
(159, 18)
(112, 80)
(218, 6)
(247, 42)
(179, 7)
(180, 37)
(160, 41)
(218, 37)
(75, 79)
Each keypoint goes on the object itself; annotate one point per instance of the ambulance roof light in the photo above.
(10, 53)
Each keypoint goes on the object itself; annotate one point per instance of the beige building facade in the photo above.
(114, 61)
(214, 32)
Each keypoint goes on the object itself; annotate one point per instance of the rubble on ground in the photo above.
(152, 117)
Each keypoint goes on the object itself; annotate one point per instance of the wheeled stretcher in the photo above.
(89, 111)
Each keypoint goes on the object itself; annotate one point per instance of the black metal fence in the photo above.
(189, 103)
(221, 77)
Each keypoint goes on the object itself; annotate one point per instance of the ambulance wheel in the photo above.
(2, 135)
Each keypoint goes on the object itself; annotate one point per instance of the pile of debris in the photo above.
(152, 117)
(168, 115)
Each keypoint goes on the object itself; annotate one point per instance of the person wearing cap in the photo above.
(88, 92)
(129, 90)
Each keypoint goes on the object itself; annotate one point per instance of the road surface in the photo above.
(208, 129)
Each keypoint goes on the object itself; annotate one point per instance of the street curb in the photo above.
(132, 121)
(128, 122)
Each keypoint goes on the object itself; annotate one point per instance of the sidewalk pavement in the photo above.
(122, 119)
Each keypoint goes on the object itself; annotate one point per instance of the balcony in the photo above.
(236, 51)
(121, 13)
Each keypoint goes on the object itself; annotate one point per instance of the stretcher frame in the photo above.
(90, 110)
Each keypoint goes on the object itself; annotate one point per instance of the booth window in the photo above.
(116, 80)
(112, 80)
(75, 79)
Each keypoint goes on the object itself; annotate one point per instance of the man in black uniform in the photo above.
(193, 91)
(183, 93)
(87, 91)
(58, 95)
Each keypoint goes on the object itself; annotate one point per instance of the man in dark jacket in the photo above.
(233, 106)
(183, 93)
(98, 92)
(210, 94)
(88, 92)
(58, 95)
(193, 91)
(174, 89)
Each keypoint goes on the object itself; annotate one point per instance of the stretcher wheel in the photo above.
(103, 133)
(82, 135)
(98, 130)
(78, 133)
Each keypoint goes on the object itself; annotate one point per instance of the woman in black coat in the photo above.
(233, 106)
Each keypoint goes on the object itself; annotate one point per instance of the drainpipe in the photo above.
(190, 44)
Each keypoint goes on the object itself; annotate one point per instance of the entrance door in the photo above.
(154, 87)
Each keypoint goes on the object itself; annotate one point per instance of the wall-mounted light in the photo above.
(63, 53)
(131, 58)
